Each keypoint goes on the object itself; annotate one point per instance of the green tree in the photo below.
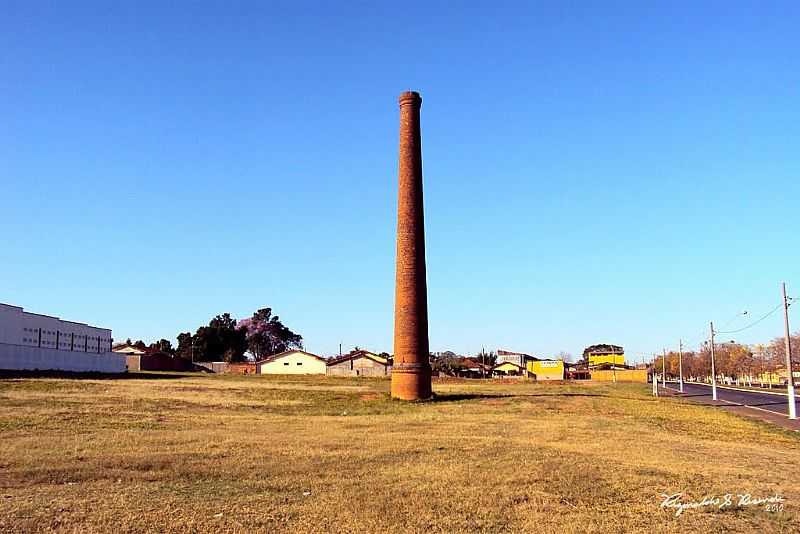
(162, 345)
(445, 362)
(184, 350)
(220, 340)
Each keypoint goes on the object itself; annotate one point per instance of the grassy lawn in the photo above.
(204, 453)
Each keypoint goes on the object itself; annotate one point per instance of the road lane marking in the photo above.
(738, 389)
(739, 403)
(754, 407)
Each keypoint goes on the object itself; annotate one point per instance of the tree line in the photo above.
(733, 360)
(226, 339)
(450, 363)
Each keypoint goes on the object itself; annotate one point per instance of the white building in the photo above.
(292, 362)
(519, 359)
(34, 341)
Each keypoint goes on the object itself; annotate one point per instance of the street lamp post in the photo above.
(713, 366)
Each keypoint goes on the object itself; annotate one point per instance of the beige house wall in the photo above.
(293, 363)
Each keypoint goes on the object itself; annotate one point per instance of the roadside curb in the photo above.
(751, 412)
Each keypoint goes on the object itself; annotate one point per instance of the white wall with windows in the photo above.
(44, 338)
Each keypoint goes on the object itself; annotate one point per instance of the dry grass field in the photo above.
(204, 453)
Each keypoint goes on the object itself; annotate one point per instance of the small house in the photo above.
(292, 362)
(509, 369)
(359, 363)
(132, 355)
(472, 368)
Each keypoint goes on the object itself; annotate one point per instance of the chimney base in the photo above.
(411, 381)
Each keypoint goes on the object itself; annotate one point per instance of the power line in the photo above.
(740, 314)
(696, 340)
(753, 323)
(703, 337)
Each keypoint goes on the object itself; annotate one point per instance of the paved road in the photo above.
(754, 399)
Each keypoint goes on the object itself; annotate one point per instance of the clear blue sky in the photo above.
(597, 172)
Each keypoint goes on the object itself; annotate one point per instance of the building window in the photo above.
(285, 363)
(299, 363)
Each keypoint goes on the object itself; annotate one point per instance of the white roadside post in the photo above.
(655, 379)
(680, 365)
(788, 347)
(713, 366)
(664, 368)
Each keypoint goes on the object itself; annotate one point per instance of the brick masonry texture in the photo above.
(411, 375)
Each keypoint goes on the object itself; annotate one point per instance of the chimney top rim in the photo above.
(410, 97)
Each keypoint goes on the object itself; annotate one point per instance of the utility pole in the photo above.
(664, 368)
(788, 342)
(680, 365)
(713, 366)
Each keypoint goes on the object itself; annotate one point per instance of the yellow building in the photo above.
(292, 362)
(599, 359)
(604, 354)
(546, 369)
(776, 377)
(770, 378)
(620, 375)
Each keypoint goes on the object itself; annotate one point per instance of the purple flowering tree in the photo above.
(266, 335)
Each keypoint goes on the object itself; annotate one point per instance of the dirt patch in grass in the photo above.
(494, 402)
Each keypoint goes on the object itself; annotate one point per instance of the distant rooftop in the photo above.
(602, 348)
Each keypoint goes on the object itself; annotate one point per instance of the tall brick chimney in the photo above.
(411, 373)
